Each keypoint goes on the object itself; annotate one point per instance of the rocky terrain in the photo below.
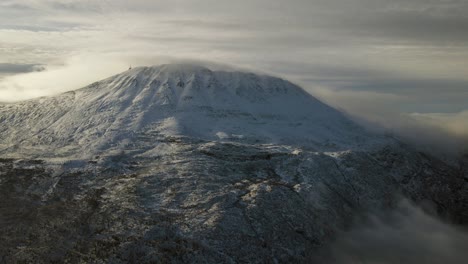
(182, 164)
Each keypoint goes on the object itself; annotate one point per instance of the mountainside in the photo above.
(181, 164)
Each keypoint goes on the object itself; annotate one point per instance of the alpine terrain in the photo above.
(183, 164)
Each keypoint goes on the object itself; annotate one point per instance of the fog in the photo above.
(441, 134)
(407, 234)
(402, 65)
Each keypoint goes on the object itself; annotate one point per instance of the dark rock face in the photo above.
(209, 202)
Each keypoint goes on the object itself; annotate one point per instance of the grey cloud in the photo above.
(410, 27)
(385, 112)
(51, 28)
(386, 58)
(11, 68)
(405, 235)
(16, 6)
(303, 22)
(78, 6)
(422, 95)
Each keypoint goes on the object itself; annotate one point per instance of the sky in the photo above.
(402, 64)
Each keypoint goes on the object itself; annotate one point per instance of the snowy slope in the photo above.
(175, 100)
(181, 164)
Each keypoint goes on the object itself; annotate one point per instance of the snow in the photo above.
(206, 161)
(175, 100)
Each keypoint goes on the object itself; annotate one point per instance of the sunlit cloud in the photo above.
(377, 59)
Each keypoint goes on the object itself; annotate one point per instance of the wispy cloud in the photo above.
(405, 235)
(12, 68)
(456, 123)
(375, 55)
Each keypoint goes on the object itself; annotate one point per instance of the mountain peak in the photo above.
(181, 67)
(172, 68)
(189, 81)
(179, 100)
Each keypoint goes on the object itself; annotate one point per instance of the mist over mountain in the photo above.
(180, 163)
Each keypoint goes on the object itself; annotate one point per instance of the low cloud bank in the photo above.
(405, 235)
(436, 133)
(76, 72)
(457, 123)
(391, 57)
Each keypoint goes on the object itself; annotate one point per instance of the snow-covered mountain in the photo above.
(182, 164)
(175, 100)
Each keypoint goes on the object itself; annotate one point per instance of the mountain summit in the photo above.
(176, 100)
(182, 164)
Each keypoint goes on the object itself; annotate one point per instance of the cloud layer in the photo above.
(374, 58)
(405, 235)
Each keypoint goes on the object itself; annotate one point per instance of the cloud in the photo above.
(10, 68)
(379, 60)
(436, 133)
(78, 72)
(405, 235)
(456, 123)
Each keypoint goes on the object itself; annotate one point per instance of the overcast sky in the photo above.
(375, 58)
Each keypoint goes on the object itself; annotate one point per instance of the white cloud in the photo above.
(75, 73)
(336, 46)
